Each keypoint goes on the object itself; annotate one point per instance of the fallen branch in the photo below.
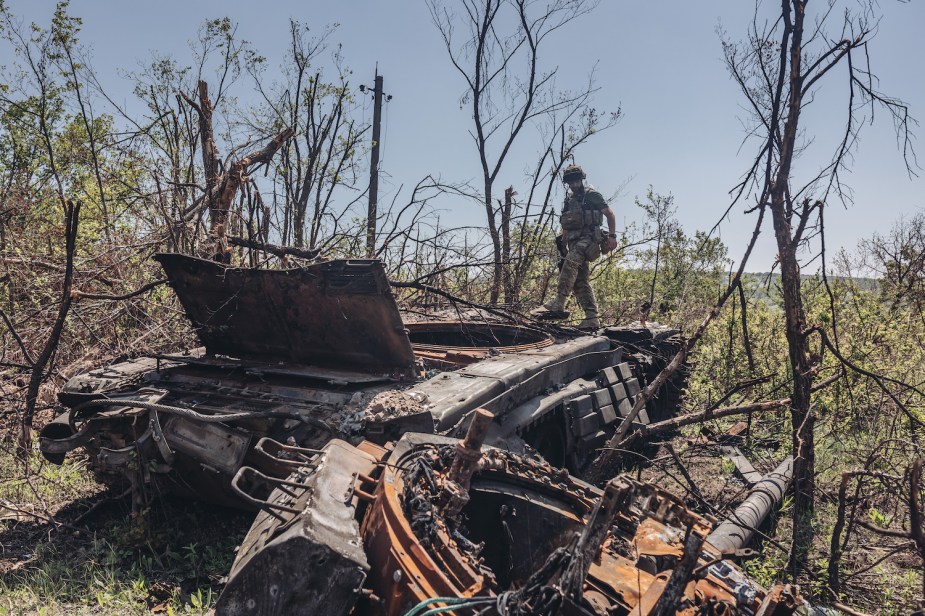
(740, 386)
(886, 532)
(695, 491)
(707, 415)
(847, 609)
(19, 513)
(279, 251)
(6, 258)
(76, 295)
(17, 338)
(893, 551)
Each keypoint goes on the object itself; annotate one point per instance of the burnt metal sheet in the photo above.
(337, 314)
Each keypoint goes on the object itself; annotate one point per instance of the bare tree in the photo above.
(161, 146)
(780, 69)
(221, 187)
(898, 259)
(498, 55)
(319, 170)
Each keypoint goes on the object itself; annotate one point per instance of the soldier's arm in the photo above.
(611, 242)
(611, 222)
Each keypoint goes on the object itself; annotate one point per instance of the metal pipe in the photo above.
(736, 531)
(455, 491)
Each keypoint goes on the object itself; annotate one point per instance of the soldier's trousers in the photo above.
(576, 273)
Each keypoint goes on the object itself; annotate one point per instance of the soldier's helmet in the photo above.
(572, 172)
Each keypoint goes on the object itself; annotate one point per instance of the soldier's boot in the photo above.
(591, 321)
(553, 310)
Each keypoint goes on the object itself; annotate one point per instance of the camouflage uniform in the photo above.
(582, 216)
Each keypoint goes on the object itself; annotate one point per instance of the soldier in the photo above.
(584, 211)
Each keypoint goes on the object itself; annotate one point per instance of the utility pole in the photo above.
(373, 212)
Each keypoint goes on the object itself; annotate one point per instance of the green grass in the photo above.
(169, 560)
(47, 484)
(99, 573)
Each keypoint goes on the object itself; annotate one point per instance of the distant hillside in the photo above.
(765, 285)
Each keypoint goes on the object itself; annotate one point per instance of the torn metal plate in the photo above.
(337, 314)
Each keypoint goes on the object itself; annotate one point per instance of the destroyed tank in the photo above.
(298, 357)
(313, 403)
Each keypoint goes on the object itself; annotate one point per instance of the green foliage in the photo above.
(858, 424)
(109, 568)
(768, 570)
(50, 150)
(878, 518)
(97, 576)
(45, 483)
(679, 274)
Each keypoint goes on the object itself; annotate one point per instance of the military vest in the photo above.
(583, 214)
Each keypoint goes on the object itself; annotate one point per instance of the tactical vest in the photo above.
(579, 217)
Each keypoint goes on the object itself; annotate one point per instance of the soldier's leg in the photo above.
(585, 296)
(555, 308)
(571, 269)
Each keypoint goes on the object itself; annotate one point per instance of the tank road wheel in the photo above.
(548, 436)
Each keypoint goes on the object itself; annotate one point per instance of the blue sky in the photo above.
(661, 61)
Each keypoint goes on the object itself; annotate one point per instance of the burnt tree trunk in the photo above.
(221, 188)
(495, 234)
(801, 417)
(210, 162)
(71, 217)
(782, 215)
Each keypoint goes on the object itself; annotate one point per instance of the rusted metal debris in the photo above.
(454, 492)
(531, 539)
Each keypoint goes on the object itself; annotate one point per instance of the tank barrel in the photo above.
(736, 531)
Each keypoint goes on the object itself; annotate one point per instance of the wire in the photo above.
(452, 604)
